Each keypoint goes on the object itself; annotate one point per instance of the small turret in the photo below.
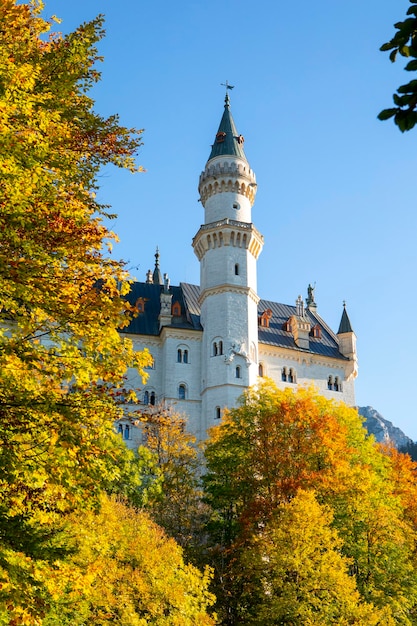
(347, 342)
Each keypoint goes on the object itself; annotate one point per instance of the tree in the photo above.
(177, 507)
(126, 571)
(61, 295)
(278, 442)
(304, 578)
(404, 42)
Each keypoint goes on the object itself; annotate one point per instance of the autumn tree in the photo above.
(304, 578)
(125, 571)
(60, 295)
(178, 505)
(404, 43)
(280, 441)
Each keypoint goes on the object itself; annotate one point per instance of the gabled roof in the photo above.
(227, 141)
(187, 295)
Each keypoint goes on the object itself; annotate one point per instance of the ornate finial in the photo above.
(157, 276)
(344, 304)
(226, 84)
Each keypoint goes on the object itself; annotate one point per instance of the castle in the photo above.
(210, 343)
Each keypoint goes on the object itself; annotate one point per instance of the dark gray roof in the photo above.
(147, 323)
(188, 295)
(275, 335)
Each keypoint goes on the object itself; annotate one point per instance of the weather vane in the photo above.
(226, 84)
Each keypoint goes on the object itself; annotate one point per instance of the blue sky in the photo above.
(336, 195)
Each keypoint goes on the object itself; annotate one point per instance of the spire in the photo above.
(345, 325)
(157, 276)
(227, 141)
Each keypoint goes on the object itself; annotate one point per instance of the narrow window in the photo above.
(120, 429)
(238, 371)
(284, 374)
(185, 356)
(220, 347)
(127, 432)
(214, 349)
(146, 397)
(218, 413)
(236, 269)
(337, 384)
(181, 392)
(179, 355)
(153, 398)
(261, 370)
(330, 382)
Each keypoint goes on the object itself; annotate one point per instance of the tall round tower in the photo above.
(227, 246)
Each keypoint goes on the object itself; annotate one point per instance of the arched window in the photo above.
(337, 384)
(218, 413)
(181, 392)
(127, 432)
(261, 370)
(179, 355)
(284, 374)
(215, 349)
(238, 371)
(291, 376)
(185, 356)
(330, 382)
(146, 397)
(176, 309)
(120, 429)
(220, 347)
(153, 398)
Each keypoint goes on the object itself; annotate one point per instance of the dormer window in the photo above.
(176, 309)
(286, 326)
(316, 332)
(264, 319)
(140, 305)
(220, 137)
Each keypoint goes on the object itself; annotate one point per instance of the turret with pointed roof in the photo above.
(227, 185)
(345, 325)
(347, 342)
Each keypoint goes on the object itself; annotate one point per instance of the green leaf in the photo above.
(410, 87)
(393, 55)
(387, 46)
(386, 114)
(411, 66)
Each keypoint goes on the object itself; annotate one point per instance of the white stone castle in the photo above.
(210, 343)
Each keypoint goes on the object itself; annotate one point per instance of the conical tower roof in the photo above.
(345, 325)
(227, 142)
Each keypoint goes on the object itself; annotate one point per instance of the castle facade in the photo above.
(211, 342)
